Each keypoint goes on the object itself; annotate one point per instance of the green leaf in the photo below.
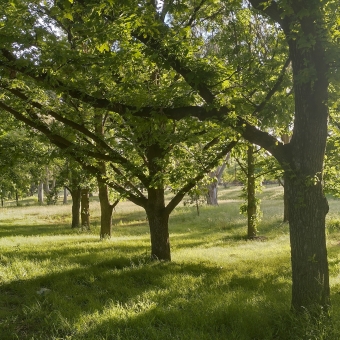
(68, 15)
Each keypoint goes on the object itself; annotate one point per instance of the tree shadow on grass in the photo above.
(36, 230)
(139, 300)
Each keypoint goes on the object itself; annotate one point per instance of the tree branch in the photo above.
(186, 188)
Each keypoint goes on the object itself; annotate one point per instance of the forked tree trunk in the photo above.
(85, 209)
(106, 210)
(213, 187)
(75, 194)
(158, 219)
(251, 196)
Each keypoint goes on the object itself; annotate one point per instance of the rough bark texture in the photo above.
(75, 194)
(158, 215)
(251, 198)
(306, 202)
(85, 208)
(158, 218)
(304, 27)
(106, 210)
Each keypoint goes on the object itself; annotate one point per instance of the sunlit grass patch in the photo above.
(59, 283)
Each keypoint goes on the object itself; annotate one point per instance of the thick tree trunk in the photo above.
(251, 198)
(305, 29)
(308, 208)
(75, 194)
(85, 209)
(158, 219)
(106, 210)
(303, 182)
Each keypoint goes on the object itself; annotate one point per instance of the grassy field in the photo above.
(58, 283)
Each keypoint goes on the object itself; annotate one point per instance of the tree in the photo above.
(20, 161)
(306, 31)
(216, 176)
(75, 180)
(176, 43)
(140, 145)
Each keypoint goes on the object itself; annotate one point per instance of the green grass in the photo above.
(218, 286)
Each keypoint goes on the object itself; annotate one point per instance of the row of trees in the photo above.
(149, 94)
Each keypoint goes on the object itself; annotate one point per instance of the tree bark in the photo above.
(106, 210)
(85, 209)
(303, 181)
(251, 196)
(75, 194)
(158, 218)
(310, 278)
(65, 196)
(285, 203)
(213, 187)
(212, 194)
(286, 140)
(304, 27)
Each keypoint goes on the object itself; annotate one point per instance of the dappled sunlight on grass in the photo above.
(218, 286)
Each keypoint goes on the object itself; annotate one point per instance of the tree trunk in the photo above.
(17, 197)
(106, 210)
(286, 140)
(85, 209)
(285, 204)
(308, 208)
(213, 187)
(251, 198)
(41, 192)
(303, 181)
(309, 48)
(212, 194)
(158, 219)
(65, 196)
(75, 194)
